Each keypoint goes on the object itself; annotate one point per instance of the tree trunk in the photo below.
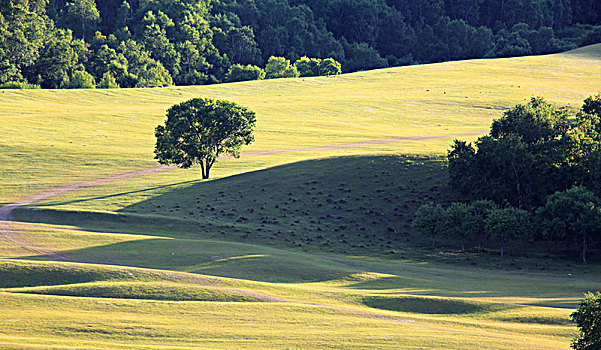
(462, 247)
(501, 250)
(83, 31)
(433, 243)
(205, 167)
(583, 253)
(479, 247)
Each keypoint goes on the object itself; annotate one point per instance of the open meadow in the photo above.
(304, 242)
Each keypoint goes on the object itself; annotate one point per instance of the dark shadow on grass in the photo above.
(354, 205)
(222, 259)
(114, 195)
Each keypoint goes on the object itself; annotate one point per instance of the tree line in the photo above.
(535, 177)
(74, 43)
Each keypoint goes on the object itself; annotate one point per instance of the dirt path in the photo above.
(8, 234)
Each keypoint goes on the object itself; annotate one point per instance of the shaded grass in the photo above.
(429, 305)
(143, 290)
(24, 274)
(303, 206)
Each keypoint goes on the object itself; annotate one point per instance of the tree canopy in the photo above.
(198, 131)
(156, 43)
(539, 167)
(532, 151)
(588, 320)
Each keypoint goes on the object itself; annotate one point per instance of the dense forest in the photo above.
(139, 43)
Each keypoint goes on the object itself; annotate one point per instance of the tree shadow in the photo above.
(114, 195)
(354, 205)
(224, 259)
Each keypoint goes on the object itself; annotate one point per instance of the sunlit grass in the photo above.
(319, 252)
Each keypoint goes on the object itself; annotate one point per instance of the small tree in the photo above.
(80, 79)
(573, 215)
(329, 66)
(307, 67)
(279, 67)
(508, 225)
(239, 72)
(588, 320)
(201, 129)
(457, 223)
(479, 211)
(429, 220)
(108, 81)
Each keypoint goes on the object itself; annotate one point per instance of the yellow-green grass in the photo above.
(156, 261)
(52, 137)
(313, 316)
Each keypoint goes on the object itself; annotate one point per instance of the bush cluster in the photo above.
(539, 173)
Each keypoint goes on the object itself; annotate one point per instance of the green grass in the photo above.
(429, 305)
(142, 290)
(302, 206)
(300, 249)
(85, 133)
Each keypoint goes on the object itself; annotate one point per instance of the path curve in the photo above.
(8, 234)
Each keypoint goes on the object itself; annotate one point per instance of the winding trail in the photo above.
(11, 236)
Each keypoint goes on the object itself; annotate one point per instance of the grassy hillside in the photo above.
(87, 133)
(309, 247)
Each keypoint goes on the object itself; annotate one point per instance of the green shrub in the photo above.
(588, 319)
(108, 82)
(329, 66)
(239, 72)
(18, 85)
(307, 67)
(279, 67)
(80, 79)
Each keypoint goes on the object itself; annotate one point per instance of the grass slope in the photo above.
(52, 137)
(302, 249)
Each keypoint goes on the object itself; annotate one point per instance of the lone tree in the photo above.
(199, 130)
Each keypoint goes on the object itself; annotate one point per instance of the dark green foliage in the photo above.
(588, 320)
(361, 56)
(197, 42)
(457, 223)
(572, 216)
(429, 220)
(533, 151)
(307, 67)
(200, 130)
(83, 11)
(58, 58)
(239, 72)
(479, 212)
(508, 226)
(474, 223)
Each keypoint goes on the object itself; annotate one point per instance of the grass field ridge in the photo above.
(303, 242)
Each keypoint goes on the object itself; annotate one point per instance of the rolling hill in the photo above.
(303, 242)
